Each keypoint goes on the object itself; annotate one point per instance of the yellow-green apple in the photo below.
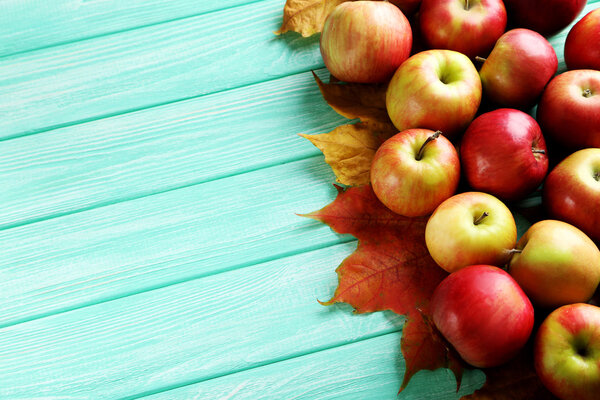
(503, 153)
(556, 264)
(567, 352)
(470, 228)
(483, 313)
(544, 16)
(571, 191)
(434, 89)
(414, 171)
(518, 69)
(582, 47)
(365, 41)
(408, 7)
(569, 111)
(470, 27)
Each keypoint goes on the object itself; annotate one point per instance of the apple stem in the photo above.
(480, 218)
(597, 176)
(515, 251)
(538, 151)
(587, 93)
(480, 59)
(429, 139)
(467, 5)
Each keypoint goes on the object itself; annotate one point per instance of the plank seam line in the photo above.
(125, 30)
(342, 240)
(390, 331)
(99, 205)
(155, 105)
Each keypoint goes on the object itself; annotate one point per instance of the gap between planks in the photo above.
(128, 29)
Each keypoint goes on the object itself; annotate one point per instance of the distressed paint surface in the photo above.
(150, 172)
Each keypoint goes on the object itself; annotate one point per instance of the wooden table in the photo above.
(150, 175)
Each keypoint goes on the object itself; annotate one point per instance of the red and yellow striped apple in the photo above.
(365, 41)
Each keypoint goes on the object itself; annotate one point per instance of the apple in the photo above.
(503, 153)
(582, 47)
(470, 27)
(470, 228)
(569, 110)
(518, 69)
(414, 171)
(546, 17)
(572, 191)
(556, 264)
(434, 89)
(365, 41)
(567, 352)
(483, 313)
(408, 7)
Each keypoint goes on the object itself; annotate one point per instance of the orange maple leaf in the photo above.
(391, 269)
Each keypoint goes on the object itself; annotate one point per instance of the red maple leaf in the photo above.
(391, 269)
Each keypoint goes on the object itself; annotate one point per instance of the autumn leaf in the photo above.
(349, 149)
(391, 269)
(306, 16)
(356, 100)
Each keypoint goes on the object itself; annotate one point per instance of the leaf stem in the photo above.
(429, 139)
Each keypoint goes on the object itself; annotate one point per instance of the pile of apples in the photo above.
(457, 95)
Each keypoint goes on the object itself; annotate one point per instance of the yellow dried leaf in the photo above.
(349, 149)
(306, 16)
(356, 100)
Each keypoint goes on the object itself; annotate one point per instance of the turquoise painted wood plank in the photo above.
(159, 149)
(193, 331)
(369, 369)
(132, 246)
(32, 24)
(159, 64)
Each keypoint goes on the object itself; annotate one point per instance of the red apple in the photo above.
(556, 264)
(503, 153)
(408, 7)
(483, 313)
(567, 352)
(470, 228)
(569, 111)
(414, 171)
(434, 89)
(572, 191)
(365, 41)
(582, 47)
(544, 16)
(467, 26)
(517, 70)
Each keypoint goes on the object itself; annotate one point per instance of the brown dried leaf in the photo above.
(356, 100)
(306, 16)
(349, 149)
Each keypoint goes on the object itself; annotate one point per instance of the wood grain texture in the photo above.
(159, 64)
(369, 369)
(194, 331)
(137, 154)
(132, 246)
(32, 24)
